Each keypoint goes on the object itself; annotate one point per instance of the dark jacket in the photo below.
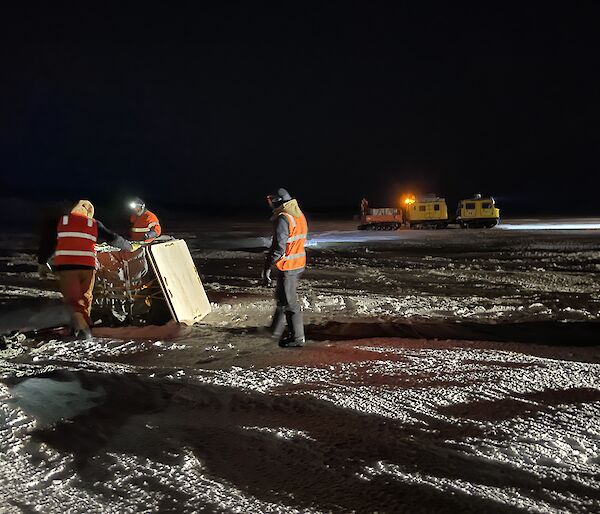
(281, 232)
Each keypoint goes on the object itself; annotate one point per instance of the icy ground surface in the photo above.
(217, 418)
(388, 425)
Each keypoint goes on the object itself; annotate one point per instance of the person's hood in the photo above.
(291, 207)
(83, 208)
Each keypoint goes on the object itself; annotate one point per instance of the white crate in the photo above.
(179, 280)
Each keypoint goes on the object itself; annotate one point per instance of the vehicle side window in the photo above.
(470, 206)
(422, 208)
(436, 206)
(485, 205)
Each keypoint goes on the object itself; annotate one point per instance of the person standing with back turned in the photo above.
(288, 256)
(74, 261)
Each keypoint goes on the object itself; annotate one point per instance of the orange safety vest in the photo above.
(295, 256)
(140, 225)
(76, 237)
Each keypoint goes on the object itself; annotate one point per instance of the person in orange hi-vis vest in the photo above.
(145, 226)
(288, 258)
(74, 261)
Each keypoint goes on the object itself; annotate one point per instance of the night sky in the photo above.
(213, 108)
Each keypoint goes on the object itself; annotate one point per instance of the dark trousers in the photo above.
(288, 309)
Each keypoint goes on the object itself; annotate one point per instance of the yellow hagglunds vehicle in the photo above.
(425, 212)
(477, 212)
(430, 212)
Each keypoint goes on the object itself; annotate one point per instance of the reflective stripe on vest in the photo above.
(65, 220)
(141, 225)
(76, 236)
(76, 253)
(290, 219)
(295, 256)
(145, 229)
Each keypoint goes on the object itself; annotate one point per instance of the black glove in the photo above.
(266, 277)
(122, 244)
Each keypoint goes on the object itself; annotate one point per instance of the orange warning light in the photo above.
(408, 199)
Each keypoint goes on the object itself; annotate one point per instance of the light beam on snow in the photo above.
(351, 237)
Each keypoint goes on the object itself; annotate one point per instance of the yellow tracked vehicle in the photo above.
(430, 212)
(477, 212)
(426, 212)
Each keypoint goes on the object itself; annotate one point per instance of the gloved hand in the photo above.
(135, 246)
(266, 277)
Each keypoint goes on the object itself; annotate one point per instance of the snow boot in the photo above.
(83, 333)
(290, 342)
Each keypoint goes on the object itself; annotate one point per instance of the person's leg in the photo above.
(293, 312)
(87, 278)
(70, 286)
(278, 322)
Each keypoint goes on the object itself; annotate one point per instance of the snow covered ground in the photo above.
(447, 371)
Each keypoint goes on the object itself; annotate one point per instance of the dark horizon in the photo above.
(210, 109)
(19, 215)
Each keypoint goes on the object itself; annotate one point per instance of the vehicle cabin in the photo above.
(477, 212)
(428, 211)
